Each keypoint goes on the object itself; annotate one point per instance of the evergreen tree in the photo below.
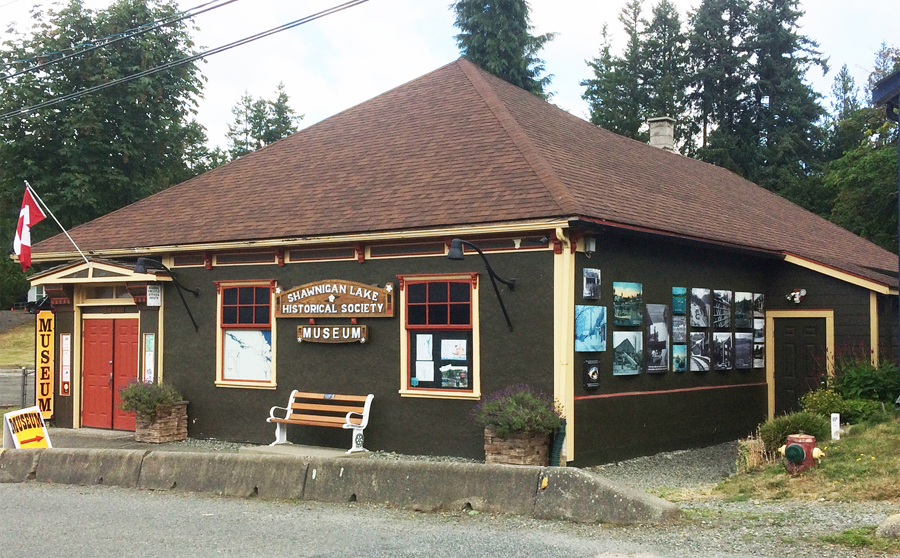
(259, 122)
(602, 92)
(496, 36)
(664, 72)
(844, 94)
(887, 61)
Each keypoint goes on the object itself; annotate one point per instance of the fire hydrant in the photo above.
(800, 452)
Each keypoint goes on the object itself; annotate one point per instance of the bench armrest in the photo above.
(272, 413)
(364, 414)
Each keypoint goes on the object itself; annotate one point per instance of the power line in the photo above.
(186, 60)
(8, 3)
(128, 34)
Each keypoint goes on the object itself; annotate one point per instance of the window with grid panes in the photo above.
(246, 334)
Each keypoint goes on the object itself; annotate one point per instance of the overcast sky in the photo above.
(344, 59)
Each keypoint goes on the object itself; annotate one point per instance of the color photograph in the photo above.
(657, 319)
(743, 345)
(699, 308)
(722, 309)
(723, 351)
(759, 355)
(759, 330)
(679, 329)
(679, 300)
(679, 358)
(627, 353)
(627, 302)
(591, 287)
(699, 351)
(759, 303)
(743, 310)
(590, 328)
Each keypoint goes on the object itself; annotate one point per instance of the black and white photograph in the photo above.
(723, 351)
(627, 302)
(759, 303)
(759, 355)
(590, 328)
(627, 353)
(679, 358)
(699, 308)
(699, 351)
(743, 310)
(591, 288)
(679, 329)
(722, 309)
(657, 318)
(743, 345)
(759, 330)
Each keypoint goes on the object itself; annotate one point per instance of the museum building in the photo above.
(664, 302)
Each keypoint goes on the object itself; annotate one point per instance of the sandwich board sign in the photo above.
(24, 429)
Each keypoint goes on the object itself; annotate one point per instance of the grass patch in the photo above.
(863, 465)
(863, 537)
(17, 346)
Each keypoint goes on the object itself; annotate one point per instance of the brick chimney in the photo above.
(662, 132)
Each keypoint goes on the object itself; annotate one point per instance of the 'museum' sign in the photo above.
(336, 298)
(332, 333)
(43, 391)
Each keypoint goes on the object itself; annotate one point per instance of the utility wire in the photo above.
(186, 60)
(131, 33)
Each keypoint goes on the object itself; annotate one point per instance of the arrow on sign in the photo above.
(30, 440)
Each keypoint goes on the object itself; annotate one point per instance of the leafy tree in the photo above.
(259, 122)
(13, 283)
(496, 36)
(887, 61)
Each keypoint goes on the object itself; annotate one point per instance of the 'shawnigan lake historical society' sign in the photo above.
(336, 298)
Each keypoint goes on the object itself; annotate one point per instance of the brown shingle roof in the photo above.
(460, 146)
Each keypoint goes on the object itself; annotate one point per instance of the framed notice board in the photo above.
(440, 360)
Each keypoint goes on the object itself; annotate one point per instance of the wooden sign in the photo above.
(336, 298)
(332, 333)
(43, 389)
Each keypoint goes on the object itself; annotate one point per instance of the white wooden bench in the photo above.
(324, 409)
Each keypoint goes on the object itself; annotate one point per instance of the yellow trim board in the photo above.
(123, 275)
(873, 326)
(563, 335)
(838, 274)
(771, 316)
(461, 230)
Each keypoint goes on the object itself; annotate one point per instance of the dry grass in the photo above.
(17, 346)
(863, 465)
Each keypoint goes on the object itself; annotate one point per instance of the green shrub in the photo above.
(774, 432)
(856, 378)
(148, 399)
(519, 408)
(824, 402)
(865, 410)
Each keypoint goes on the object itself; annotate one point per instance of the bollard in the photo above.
(835, 426)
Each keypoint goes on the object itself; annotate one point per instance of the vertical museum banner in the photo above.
(43, 389)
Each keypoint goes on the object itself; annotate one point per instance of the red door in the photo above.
(110, 362)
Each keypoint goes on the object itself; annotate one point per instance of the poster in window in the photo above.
(759, 330)
(759, 303)
(743, 310)
(679, 300)
(699, 351)
(743, 347)
(590, 328)
(679, 357)
(656, 317)
(723, 351)
(591, 286)
(699, 308)
(424, 346)
(679, 329)
(248, 355)
(627, 301)
(722, 309)
(454, 376)
(759, 355)
(453, 349)
(627, 353)
(424, 371)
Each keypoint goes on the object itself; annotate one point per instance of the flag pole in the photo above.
(38, 198)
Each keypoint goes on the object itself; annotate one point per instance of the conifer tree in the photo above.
(259, 122)
(664, 72)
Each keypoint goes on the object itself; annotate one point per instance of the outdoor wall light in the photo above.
(141, 267)
(456, 253)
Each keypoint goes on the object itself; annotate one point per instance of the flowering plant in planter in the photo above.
(147, 400)
(517, 425)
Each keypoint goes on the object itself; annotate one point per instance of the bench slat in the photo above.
(331, 408)
(321, 418)
(332, 396)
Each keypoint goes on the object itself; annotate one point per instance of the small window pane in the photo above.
(437, 292)
(437, 314)
(416, 315)
(245, 314)
(262, 295)
(246, 295)
(459, 314)
(460, 292)
(229, 315)
(416, 292)
(262, 315)
(229, 296)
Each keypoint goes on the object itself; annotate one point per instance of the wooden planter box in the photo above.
(169, 426)
(518, 448)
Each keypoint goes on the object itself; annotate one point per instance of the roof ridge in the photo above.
(541, 167)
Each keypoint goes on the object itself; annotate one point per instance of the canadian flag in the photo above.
(30, 215)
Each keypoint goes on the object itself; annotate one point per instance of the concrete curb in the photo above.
(228, 474)
(557, 493)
